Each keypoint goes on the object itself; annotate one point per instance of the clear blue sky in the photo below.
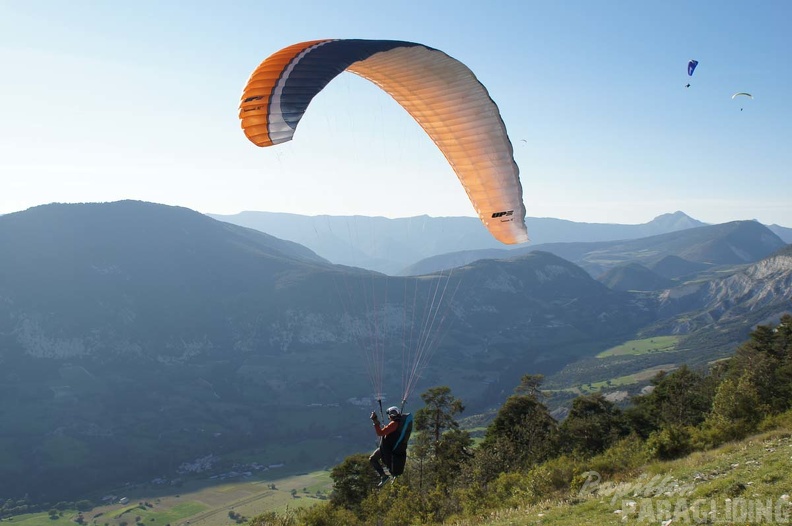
(107, 100)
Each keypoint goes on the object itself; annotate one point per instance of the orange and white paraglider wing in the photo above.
(438, 91)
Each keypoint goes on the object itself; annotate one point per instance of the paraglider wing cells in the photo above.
(438, 91)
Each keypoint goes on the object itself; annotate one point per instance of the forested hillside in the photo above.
(527, 458)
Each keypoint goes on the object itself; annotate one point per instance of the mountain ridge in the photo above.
(388, 245)
(726, 243)
(156, 333)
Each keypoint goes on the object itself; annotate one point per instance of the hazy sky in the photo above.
(109, 100)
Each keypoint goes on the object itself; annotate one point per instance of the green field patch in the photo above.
(657, 344)
(249, 499)
(39, 519)
(201, 503)
(151, 513)
(167, 516)
(630, 379)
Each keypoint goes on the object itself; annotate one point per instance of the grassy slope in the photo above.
(739, 475)
(732, 478)
(627, 364)
(645, 346)
(622, 381)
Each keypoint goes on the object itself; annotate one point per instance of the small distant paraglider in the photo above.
(742, 94)
(691, 68)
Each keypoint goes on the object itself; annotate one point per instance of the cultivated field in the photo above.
(645, 346)
(199, 503)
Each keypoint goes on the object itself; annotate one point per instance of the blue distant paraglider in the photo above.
(691, 68)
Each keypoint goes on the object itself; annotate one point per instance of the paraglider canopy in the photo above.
(742, 94)
(438, 91)
(691, 68)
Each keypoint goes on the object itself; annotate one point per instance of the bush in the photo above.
(353, 481)
(783, 420)
(399, 504)
(670, 443)
(474, 498)
(323, 514)
(626, 455)
(555, 475)
(273, 519)
(515, 489)
(509, 490)
(718, 430)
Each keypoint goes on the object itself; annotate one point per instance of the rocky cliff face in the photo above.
(766, 285)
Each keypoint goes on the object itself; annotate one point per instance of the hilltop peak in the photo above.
(676, 221)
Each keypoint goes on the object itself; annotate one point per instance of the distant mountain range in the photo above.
(392, 246)
(728, 243)
(136, 336)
